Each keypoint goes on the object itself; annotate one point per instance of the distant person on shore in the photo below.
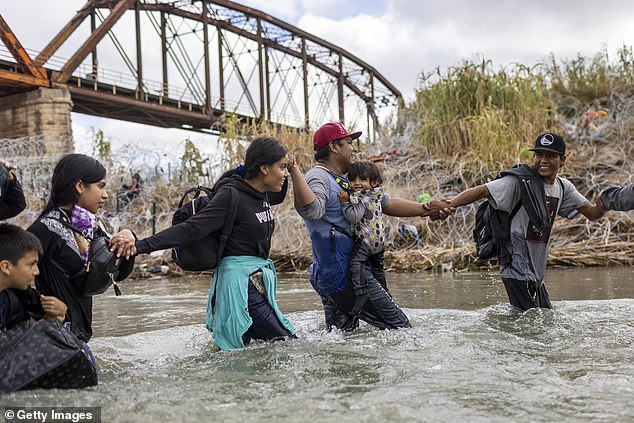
(12, 200)
(317, 201)
(242, 303)
(524, 263)
(362, 208)
(127, 193)
(78, 191)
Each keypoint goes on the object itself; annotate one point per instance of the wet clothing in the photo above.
(18, 306)
(266, 324)
(379, 310)
(12, 200)
(527, 294)
(63, 272)
(231, 311)
(365, 214)
(236, 307)
(361, 261)
(527, 245)
(331, 256)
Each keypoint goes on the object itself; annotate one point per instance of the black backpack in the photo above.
(491, 231)
(204, 254)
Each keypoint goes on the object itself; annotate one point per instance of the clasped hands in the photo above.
(123, 244)
(438, 209)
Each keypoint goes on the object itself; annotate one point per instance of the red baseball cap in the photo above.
(332, 131)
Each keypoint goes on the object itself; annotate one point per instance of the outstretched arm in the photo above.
(405, 208)
(618, 198)
(469, 196)
(593, 211)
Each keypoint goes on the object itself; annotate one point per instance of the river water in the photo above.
(468, 356)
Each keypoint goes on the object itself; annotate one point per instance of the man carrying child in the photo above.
(317, 201)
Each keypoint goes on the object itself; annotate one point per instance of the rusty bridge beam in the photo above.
(63, 34)
(254, 12)
(65, 73)
(17, 51)
(21, 80)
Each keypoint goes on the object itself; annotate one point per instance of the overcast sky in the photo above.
(399, 38)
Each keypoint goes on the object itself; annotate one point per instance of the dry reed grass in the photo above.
(463, 127)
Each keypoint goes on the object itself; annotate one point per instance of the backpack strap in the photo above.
(196, 190)
(561, 184)
(532, 194)
(227, 228)
(73, 228)
(345, 185)
(517, 208)
(342, 182)
(229, 220)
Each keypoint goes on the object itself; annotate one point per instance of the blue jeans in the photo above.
(265, 324)
(89, 353)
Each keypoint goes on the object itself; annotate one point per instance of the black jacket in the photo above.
(12, 201)
(252, 230)
(18, 306)
(62, 271)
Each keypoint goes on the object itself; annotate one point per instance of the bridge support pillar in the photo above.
(41, 115)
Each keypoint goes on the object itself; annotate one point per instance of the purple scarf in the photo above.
(84, 220)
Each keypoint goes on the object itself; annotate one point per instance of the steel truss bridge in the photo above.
(191, 64)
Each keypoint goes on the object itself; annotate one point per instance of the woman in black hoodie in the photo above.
(242, 304)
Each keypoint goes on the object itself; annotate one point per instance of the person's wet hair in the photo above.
(261, 152)
(15, 243)
(71, 169)
(365, 170)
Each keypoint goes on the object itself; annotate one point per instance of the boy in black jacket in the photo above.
(19, 252)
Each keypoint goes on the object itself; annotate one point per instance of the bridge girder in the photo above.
(285, 56)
